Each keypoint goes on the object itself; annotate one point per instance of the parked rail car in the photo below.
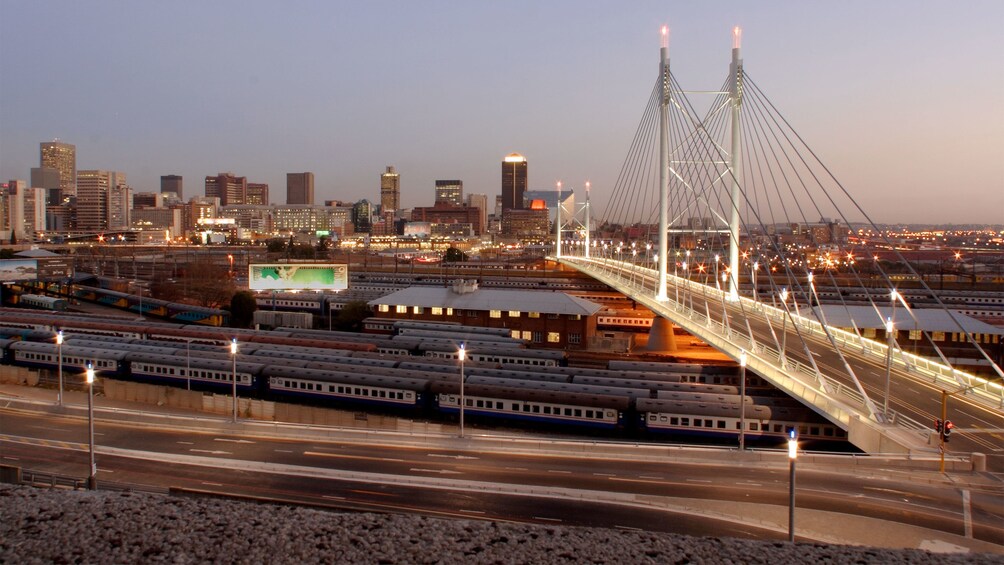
(518, 357)
(205, 374)
(347, 388)
(517, 405)
(41, 302)
(75, 359)
(558, 386)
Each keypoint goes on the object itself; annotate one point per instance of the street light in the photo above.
(792, 455)
(462, 355)
(59, 349)
(756, 267)
(92, 478)
(784, 325)
(742, 400)
(233, 354)
(889, 328)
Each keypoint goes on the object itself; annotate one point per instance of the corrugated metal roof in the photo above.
(928, 319)
(543, 301)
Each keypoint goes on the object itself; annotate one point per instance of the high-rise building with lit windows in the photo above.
(63, 158)
(513, 181)
(229, 188)
(300, 188)
(390, 190)
(449, 192)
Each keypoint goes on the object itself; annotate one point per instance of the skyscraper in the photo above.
(63, 158)
(480, 201)
(47, 179)
(228, 188)
(103, 201)
(513, 181)
(257, 193)
(390, 190)
(449, 192)
(172, 184)
(300, 188)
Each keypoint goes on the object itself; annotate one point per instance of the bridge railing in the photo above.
(831, 397)
(988, 393)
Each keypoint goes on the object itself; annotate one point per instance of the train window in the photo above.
(778, 429)
(331, 388)
(498, 405)
(357, 392)
(697, 422)
(515, 407)
(400, 396)
(553, 337)
(526, 407)
(547, 410)
(802, 430)
(709, 423)
(589, 413)
(468, 402)
(568, 411)
(674, 421)
(536, 409)
(840, 433)
(754, 427)
(480, 404)
(684, 421)
(828, 431)
(578, 413)
(814, 431)
(721, 424)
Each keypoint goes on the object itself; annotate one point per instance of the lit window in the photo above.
(495, 314)
(436, 311)
(553, 337)
(527, 336)
(384, 308)
(514, 334)
(401, 309)
(533, 314)
(449, 311)
(514, 313)
(416, 310)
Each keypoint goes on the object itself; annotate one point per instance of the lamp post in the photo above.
(792, 455)
(756, 267)
(462, 355)
(59, 370)
(233, 354)
(889, 327)
(784, 325)
(742, 400)
(92, 477)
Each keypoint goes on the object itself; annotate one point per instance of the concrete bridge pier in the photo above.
(661, 338)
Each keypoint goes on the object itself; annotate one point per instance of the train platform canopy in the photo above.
(36, 254)
(542, 301)
(927, 319)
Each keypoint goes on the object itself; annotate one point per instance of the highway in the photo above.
(445, 477)
(978, 428)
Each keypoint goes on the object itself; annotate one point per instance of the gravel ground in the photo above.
(60, 526)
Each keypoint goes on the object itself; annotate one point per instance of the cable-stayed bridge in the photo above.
(726, 224)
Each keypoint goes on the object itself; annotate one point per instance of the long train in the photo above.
(612, 400)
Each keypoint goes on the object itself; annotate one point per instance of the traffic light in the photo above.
(948, 430)
(937, 425)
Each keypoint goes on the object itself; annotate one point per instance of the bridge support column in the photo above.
(660, 291)
(737, 96)
(661, 338)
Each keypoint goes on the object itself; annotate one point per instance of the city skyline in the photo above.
(446, 91)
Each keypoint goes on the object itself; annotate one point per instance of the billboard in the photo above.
(298, 276)
(60, 268)
(18, 270)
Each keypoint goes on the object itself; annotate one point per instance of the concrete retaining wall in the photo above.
(10, 374)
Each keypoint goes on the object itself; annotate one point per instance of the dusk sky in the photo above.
(902, 100)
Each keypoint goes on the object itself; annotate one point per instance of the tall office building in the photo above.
(257, 194)
(119, 203)
(390, 190)
(63, 158)
(480, 201)
(172, 184)
(230, 189)
(513, 181)
(449, 192)
(47, 179)
(93, 192)
(300, 188)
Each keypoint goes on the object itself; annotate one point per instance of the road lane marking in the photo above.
(373, 492)
(628, 528)
(228, 440)
(438, 471)
(698, 481)
(11, 458)
(546, 519)
(332, 497)
(452, 456)
(211, 452)
(363, 457)
(212, 484)
(186, 442)
(284, 451)
(749, 484)
(559, 471)
(515, 468)
(472, 511)
(650, 477)
(604, 474)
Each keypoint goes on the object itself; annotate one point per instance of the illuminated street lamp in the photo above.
(792, 455)
(59, 349)
(889, 327)
(742, 400)
(784, 324)
(92, 478)
(233, 354)
(462, 355)
(756, 267)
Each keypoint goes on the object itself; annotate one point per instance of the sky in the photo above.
(902, 100)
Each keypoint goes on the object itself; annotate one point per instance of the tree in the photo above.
(350, 318)
(242, 309)
(207, 283)
(6, 253)
(454, 255)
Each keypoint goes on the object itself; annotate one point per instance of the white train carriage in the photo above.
(344, 387)
(721, 420)
(214, 374)
(75, 358)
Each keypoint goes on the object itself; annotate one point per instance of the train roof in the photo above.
(556, 386)
(526, 395)
(341, 377)
(542, 301)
